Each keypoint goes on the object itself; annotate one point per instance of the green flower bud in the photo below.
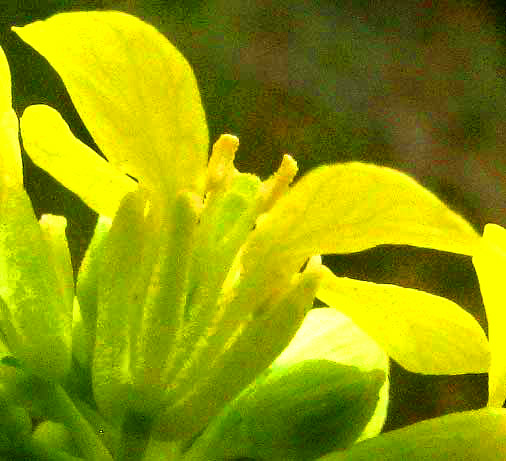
(299, 412)
(56, 436)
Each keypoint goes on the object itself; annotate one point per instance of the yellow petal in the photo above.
(72, 163)
(11, 169)
(11, 173)
(5, 83)
(351, 207)
(423, 332)
(490, 264)
(329, 334)
(135, 92)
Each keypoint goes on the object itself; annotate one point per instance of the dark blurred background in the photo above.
(416, 85)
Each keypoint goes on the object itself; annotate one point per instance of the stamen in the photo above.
(277, 184)
(221, 169)
(314, 263)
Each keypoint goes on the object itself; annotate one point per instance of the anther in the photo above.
(221, 168)
(277, 184)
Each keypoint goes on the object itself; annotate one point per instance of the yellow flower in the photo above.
(199, 282)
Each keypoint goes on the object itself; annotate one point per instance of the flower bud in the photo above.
(56, 436)
(299, 412)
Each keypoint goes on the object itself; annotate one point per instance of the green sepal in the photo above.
(85, 309)
(163, 307)
(212, 377)
(120, 267)
(79, 380)
(476, 435)
(295, 413)
(225, 222)
(158, 450)
(36, 318)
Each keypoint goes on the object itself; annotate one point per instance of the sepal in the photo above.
(37, 317)
(163, 307)
(85, 305)
(118, 308)
(225, 221)
(233, 359)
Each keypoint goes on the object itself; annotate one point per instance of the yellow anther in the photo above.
(287, 170)
(314, 263)
(278, 183)
(221, 164)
